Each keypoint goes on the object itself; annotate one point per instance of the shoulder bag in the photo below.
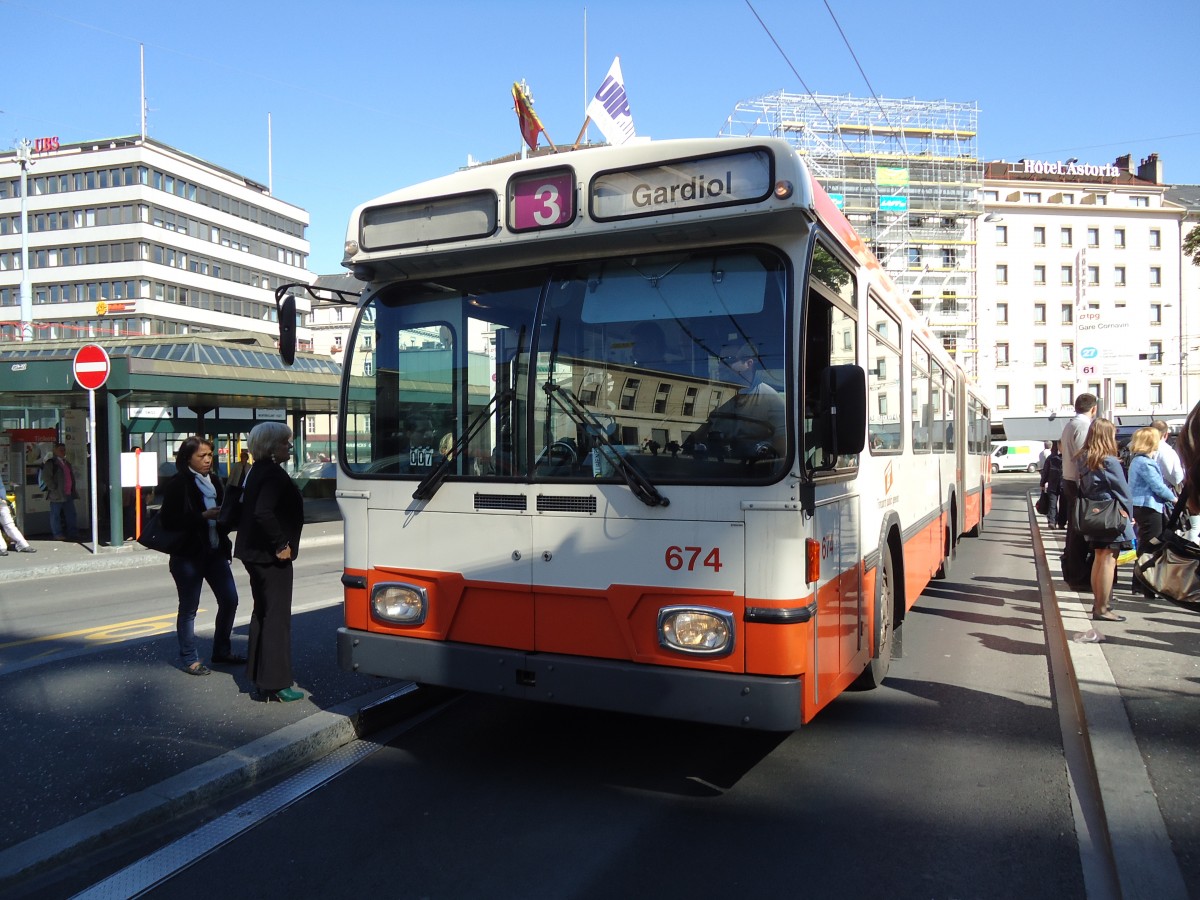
(1100, 521)
(231, 504)
(155, 537)
(1170, 566)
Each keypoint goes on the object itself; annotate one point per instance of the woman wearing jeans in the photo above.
(191, 502)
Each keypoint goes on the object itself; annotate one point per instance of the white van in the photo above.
(1017, 456)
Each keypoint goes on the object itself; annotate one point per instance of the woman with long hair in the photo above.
(1101, 478)
(191, 502)
(1189, 456)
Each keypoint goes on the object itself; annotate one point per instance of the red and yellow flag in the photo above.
(531, 125)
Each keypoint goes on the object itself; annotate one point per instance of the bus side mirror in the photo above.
(287, 330)
(844, 390)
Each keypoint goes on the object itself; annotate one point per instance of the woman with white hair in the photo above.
(268, 539)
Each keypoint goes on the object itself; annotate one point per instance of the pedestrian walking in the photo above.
(1052, 484)
(9, 526)
(191, 503)
(268, 540)
(59, 478)
(237, 472)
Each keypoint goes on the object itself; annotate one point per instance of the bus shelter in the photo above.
(159, 389)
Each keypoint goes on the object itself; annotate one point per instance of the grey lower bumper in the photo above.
(718, 698)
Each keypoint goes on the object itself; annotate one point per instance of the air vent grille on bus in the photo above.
(500, 501)
(566, 504)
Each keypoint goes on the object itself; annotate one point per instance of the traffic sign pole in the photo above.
(91, 370)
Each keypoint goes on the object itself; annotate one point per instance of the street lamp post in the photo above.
(25, 159)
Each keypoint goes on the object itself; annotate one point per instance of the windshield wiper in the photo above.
(431, 482)
(639, 484)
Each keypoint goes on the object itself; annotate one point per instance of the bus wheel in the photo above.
(885, 604)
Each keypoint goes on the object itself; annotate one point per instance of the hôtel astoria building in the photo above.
(1083, 287)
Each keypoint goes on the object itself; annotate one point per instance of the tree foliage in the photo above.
(1191, 245)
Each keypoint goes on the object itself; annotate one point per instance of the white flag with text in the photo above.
(609, 109)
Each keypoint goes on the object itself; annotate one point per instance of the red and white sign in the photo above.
(91, 366)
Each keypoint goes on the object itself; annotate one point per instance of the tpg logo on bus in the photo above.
(682, 185)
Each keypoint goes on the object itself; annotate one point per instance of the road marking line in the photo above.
(107, 633)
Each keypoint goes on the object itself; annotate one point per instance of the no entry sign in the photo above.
(91, 366)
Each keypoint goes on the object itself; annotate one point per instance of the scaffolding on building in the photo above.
(908, 177)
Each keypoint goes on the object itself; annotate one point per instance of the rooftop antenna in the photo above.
(142, 66)
(270, 176)
(586, 98)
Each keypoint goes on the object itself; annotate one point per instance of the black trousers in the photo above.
(269, 656)
(1075, 566)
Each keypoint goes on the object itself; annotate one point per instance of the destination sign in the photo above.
(429, 221)
(688, 184)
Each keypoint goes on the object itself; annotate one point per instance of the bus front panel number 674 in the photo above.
(693, 558)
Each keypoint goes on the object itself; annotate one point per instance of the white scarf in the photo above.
(209, 492)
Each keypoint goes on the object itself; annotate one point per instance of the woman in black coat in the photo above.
(191, 502)
(268, 539)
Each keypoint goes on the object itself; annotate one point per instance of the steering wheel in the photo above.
(759, 429)
(558, 454)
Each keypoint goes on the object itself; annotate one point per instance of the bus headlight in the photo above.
(699, 630)
(403, 604)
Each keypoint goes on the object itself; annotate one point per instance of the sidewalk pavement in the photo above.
(322, 522)
(1136, 686)
(102, 745)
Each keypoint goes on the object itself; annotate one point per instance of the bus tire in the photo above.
(884, 632)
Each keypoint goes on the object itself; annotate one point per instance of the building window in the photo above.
(1155, 276)
(1039, 396)
(1068, 313)
(1002, 354)
(1067, 236)
(1039, 353)
(1155, 239)
(1156, 313)
(1120, 394)
(1001, 274)
(993, 196)
(1118, 276)
(689, 402)
(1119, 238)
(1001, 313)
(1039, 274)
(1031, 197)
(1001, 235)
(629, 392)
(1093, 237)
(1156, 393)
(1093, 275)
(1002, 396)
(1039, 314)
(914, 257)
(1068, 355)
(660, 398)
(1156, 353)
(1066, 394)
(1039, 235)
(1066, 275)
(1141, 202)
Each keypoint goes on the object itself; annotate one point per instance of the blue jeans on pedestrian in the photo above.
(190, 573)
(62, 520)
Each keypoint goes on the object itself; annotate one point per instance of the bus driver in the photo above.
(749, 425)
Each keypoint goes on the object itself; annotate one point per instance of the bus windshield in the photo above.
(676, 362)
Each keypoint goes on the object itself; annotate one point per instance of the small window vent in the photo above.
(500, 501)
(566, 504)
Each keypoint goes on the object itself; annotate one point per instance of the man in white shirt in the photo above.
(1168, 459)
(1076, 570)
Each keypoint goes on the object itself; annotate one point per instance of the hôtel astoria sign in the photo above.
(1070, 167)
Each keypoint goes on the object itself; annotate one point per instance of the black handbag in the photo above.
(1043, 504)
(155, 537)
(1100, 521)
(231, 504)
(1170, 566)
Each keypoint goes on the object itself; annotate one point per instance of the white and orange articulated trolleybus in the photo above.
(641, 428)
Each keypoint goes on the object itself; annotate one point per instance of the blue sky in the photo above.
(366, 97)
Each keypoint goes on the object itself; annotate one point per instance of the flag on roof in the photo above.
(531, 125)
(609, 109)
